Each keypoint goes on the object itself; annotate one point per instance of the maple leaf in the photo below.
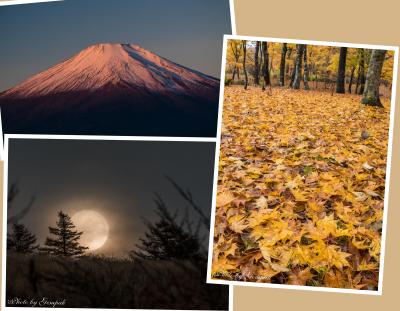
(337, 258)
(334, 278)
(266, 273)
(313, 205)
(360, 196)
(371, 193)
(364, 266)
(279, 268)
(262, 202)
(298, 192)
(367, 167)
(237, 223)
(362, 176)
(223, 266)
(266, 252)
(224, 198)
(301, 277)
(231, 250)
(272, 237)
(292, 184)
(298, 196)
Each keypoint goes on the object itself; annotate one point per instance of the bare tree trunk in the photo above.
(282, 65)
(237, 72)
(371, 91)
(288, 68)
(267, 80)
(290, 50)
(305, 76)
(244, 47)
(362, 71)
(341, 75)
(351, 78)
(292, 75)
(257, 64)
(358, 80)
(236, 54)
(297, 69)
(271, 62)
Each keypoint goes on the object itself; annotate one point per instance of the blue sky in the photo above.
(35, 37)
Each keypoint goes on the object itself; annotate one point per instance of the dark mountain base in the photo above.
(103, 113)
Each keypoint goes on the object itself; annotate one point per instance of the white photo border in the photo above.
(7, 137)
(16, 2)
(233, 16)
(388, 166)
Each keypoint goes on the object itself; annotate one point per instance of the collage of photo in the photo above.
(154, 159)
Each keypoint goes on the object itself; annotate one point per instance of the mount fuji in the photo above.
(113, 89)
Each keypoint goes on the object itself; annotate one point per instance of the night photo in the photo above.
(110, 224)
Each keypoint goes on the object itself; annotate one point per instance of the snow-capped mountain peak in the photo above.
(125, 66)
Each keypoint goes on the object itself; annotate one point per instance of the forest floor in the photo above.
(301, 188)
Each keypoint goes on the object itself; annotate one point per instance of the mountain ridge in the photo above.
(113, 89)
(99, 64)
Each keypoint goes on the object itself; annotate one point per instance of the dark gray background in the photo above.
(117, 178)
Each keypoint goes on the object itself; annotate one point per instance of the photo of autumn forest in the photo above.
(302, 165)
(109, 224)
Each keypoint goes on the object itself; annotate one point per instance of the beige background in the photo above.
(354, 21)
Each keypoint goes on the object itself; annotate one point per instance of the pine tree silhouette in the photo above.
(66, 240)
(167, 239)
(21, 240)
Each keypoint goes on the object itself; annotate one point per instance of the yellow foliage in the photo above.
(300, 191)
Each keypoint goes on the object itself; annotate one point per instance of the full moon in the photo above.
(94, 226)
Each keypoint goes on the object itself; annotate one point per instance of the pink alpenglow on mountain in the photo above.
(113, 89)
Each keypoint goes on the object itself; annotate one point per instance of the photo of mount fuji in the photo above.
(117, 89)
(107, 88)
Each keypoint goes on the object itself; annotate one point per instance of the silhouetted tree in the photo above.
(188, 197)
(66, 240)
(341, 75)
(371, 90)
(166, 239)
(13, 191)
(21, 240)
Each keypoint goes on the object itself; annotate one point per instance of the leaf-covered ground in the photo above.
(301, 189)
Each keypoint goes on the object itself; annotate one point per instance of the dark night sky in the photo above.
(37, 36)
(118, 178)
